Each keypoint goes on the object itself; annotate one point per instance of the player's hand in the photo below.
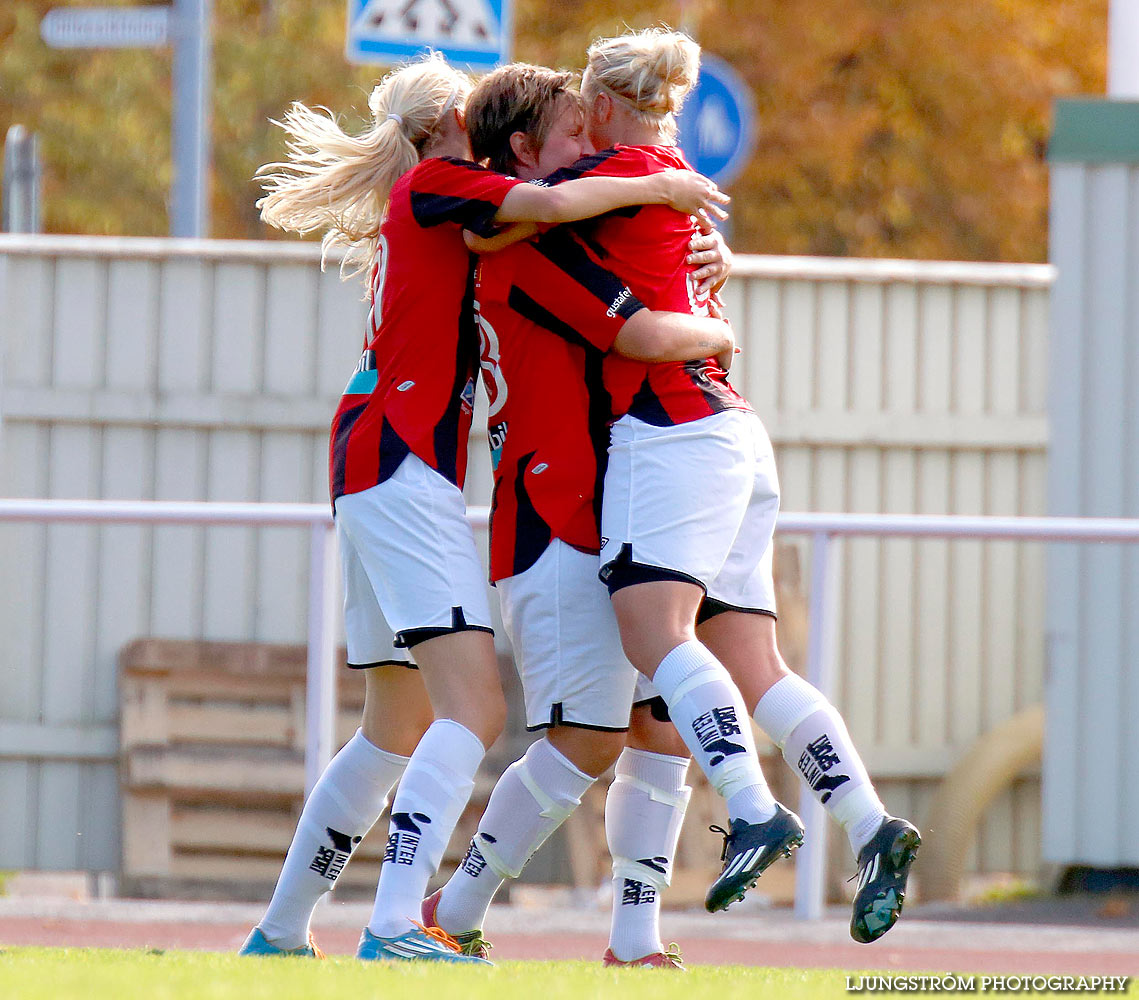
(716, 310)
(513, 233)
(709, 253)
(693, 194)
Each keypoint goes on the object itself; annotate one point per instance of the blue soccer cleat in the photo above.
(883, 868)
(420, 944)
(749, 849)
(258, 944)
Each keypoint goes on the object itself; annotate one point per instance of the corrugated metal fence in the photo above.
(207, 370)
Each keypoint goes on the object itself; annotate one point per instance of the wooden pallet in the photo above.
(212, 768)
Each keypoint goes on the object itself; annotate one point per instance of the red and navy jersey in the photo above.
(547, 313)
(413, 389)
(647, 245)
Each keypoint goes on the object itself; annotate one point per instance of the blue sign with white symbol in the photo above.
(471, 33)
(717, 122)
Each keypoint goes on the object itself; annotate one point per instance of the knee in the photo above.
(400, 735)
(485, 716)
(648, 733)
(590, 751)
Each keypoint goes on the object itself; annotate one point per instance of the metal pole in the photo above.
(193, 79)
(21, 198)
(811, 861)
(320, 696)
(1123, 50)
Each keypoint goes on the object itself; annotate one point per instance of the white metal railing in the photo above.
(823, 529)
(320, 692)
(857, 269)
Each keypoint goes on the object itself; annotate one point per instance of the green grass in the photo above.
(56, 973)
(95, 974)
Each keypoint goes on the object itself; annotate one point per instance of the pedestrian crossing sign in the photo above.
(475, 34)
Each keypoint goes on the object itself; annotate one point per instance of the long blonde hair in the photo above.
(650, 72)
(341, 182)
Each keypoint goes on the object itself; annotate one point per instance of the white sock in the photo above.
(815, 742)
(432, 795)
(342, 807)
(531, 800)
(644, 811)
(710, 716)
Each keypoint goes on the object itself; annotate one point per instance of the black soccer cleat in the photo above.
(883, 868)
(749, 849)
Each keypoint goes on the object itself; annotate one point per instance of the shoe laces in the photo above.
(672, 953)
(474, 943)
(315, 948)
(441, 936)
(727, 839)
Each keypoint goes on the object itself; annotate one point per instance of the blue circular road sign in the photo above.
(717, 122)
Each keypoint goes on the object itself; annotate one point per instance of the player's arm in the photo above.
(514, 233)
(684, 190)
(654, 336)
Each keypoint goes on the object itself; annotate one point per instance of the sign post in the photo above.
(473, 33)
(717, 122)
(155, 27)
(193, 77)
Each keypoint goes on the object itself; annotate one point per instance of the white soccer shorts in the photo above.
(695, 501)
(408, 552)
(567, 648)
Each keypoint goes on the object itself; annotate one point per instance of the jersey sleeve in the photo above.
(617, 161)
(446, 189)
(562, 289)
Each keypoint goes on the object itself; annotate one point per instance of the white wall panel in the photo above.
(210, 371)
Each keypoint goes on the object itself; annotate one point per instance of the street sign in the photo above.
(472, 33)
(106, 27)
(717, 122)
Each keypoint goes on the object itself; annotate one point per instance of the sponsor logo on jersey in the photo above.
(496, 437)
(616, 304)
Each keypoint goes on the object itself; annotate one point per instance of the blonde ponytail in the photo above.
(650, 71)
(340, 182)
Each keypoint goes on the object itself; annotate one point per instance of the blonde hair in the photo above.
(650, 71)
(341, 182)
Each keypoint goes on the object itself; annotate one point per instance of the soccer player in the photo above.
(548, 313)
(690, 504)
(398, 196)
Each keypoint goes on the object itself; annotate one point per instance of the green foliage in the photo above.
(887, 127)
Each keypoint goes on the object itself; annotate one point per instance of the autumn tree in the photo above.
(886, 127)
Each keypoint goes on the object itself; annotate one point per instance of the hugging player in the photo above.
(548, 314)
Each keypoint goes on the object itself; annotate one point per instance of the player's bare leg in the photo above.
(587, 749)
(815, 742)
(658, 633)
